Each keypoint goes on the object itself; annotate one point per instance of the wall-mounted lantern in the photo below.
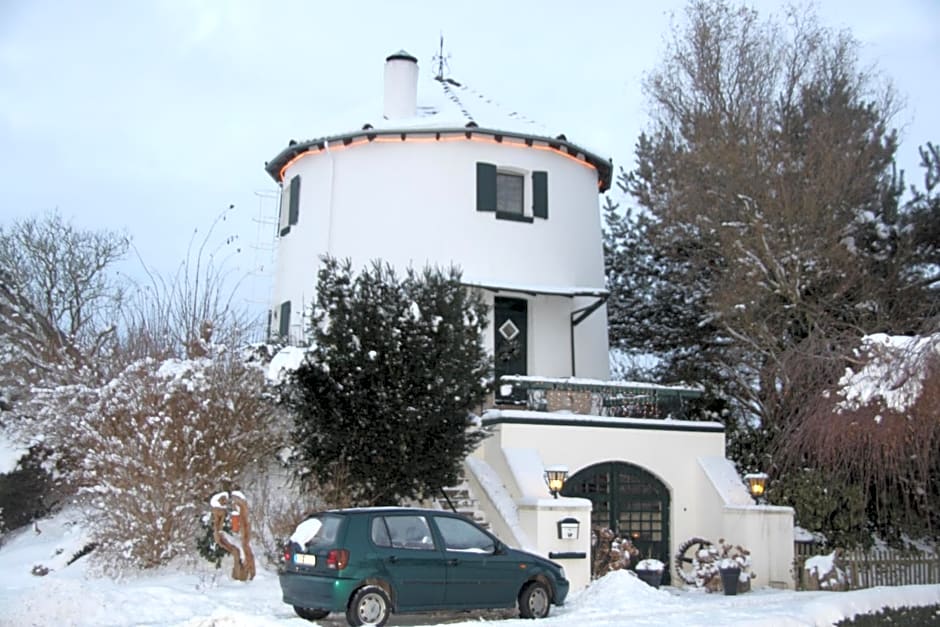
(568, 528)
(756, 483)
(555, 478)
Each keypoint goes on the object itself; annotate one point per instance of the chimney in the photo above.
(401, 86)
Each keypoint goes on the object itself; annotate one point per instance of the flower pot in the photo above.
(650, 577)
(729, 579)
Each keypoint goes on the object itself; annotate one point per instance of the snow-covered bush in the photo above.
(708, 560)
(826, 572)
(610, 552)
(383, 403)
(874, 434)
(155, 442)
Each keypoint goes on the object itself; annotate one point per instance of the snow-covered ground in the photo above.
(203, 597)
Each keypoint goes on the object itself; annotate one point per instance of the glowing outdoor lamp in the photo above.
(756, 483)
(555, 478)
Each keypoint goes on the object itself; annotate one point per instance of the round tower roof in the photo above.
(401, 54)
(445, 106)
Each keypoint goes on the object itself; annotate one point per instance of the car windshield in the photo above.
(319, 529)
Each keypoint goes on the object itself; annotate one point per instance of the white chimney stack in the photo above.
(401, 86)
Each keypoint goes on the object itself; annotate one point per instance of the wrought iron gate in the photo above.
(629, 500)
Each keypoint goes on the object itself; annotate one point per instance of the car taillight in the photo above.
(287, 552)
(337, 558)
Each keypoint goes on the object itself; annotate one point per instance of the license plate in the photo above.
(305, 560)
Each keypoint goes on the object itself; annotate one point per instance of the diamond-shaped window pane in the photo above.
(508, 330)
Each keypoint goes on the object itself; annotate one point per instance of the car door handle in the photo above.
(453, 562)
(393, 559)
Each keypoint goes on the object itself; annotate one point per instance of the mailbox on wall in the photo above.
(568, 528)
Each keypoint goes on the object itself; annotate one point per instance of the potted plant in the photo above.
(730, 573)
(734, 568)
(650, 571)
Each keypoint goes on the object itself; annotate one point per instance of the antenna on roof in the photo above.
(441, 59)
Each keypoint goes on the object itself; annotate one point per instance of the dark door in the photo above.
(476, 575)
(412, 561)
(629, 500)
(510, 350)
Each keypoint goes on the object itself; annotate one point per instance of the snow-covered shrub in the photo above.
(875, 433)
(610, 552)
(384, 399)
(709, 560)
(826, 572)
(155, 442)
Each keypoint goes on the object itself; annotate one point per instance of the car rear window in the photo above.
(317, 530)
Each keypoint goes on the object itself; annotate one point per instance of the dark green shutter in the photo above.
(486, 187)
(284, 320)
(540, 194)
(294, 200)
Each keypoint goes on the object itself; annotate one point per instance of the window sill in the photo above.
(515, 217)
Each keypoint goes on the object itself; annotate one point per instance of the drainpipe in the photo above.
(329, 226)
(577, 317)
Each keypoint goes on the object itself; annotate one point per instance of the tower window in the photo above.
(509, 193)
(290, 206)
(503, 191)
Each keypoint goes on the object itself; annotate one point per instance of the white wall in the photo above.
(414, 203)
(767, 532)
(549, 328)
(703, 504)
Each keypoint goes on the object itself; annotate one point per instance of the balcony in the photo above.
(590, 397)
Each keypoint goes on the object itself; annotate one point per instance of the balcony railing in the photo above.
(624, 399)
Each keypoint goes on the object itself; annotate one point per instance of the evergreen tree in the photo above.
(383, 400)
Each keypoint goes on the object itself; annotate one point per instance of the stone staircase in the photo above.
(464, 502)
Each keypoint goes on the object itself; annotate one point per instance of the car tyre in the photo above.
(535, 600)
(369, 606)
(310, 613)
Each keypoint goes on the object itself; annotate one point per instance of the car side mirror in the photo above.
(499, 548)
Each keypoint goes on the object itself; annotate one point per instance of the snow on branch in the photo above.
(894, 373)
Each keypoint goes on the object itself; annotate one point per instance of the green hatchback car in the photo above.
(371, 562)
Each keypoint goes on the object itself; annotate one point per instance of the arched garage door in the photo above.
(629, 500)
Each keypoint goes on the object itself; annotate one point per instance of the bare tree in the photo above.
(58, 299)
(179, 314)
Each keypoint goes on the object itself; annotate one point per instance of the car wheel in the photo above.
(369, 606)
(534, 600)
(309, 613)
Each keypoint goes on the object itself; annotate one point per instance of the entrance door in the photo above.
(629, 500)
(510, 348)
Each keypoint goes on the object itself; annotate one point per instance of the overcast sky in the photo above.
(153, 116)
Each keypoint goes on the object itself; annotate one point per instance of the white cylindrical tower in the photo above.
(454, 183)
